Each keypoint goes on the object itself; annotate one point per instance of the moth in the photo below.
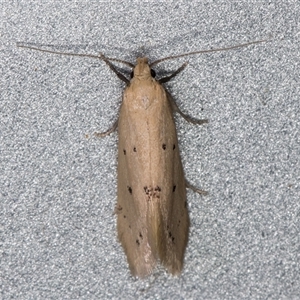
(152, 214)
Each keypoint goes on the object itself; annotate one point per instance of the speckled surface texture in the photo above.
(58, 185)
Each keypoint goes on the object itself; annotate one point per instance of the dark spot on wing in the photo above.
(129, 189)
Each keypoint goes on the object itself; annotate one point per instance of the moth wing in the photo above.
(131, 204)
(173, 205)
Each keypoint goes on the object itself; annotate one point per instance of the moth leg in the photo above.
(168, 78)
(186, 117)
(107, 132)
(112, 67)
(196, 190)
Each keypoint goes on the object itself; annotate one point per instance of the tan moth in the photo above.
(152, 215)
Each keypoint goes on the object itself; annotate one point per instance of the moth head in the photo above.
(142, 69)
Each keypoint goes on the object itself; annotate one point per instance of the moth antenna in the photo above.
(127, 63)
(100, 56)
(206, 51)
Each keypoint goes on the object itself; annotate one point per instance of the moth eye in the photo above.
(131, 74)
(153, 74)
